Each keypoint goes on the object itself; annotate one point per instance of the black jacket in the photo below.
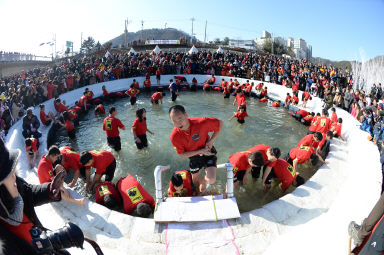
(27, 123)
(33, 195)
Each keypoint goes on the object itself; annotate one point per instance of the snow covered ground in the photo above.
(311, 220)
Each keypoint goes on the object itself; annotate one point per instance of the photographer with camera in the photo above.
(20, 229)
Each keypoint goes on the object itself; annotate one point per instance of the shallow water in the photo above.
(266, 125)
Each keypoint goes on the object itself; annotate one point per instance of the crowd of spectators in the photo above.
(30, 88)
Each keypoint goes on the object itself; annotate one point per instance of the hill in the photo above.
(339, 64)
(152, 34)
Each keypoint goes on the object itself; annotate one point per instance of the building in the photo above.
(290, 42)
(266, 34)
(245, 44)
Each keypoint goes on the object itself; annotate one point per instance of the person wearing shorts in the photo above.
(111, 126)
(242, 163)
(270, 155)
(190, 138)
(132, 92)
(174, 90)
(158, 76)
(139, 129)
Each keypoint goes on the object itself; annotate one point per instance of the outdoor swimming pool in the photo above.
(266, 125)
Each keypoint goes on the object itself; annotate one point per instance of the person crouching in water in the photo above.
(240, 115)
(139, 129)
(68, 125)
(181, 185)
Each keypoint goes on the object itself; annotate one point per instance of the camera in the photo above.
(58, 240)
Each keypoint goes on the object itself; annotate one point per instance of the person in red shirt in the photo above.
(248, 89)
(181, 185)
(299, 114)
(45, 170)
(99, 110)
(107, 195)
(211, 80)
(111, 126)
(68, 125)
(70, 159)
(323, 123)
(51, 90)
(240, 115)
(223, 83)
(270, 155)
(135, 84)
(295, 99)
(83, 102)
(139, 129)
(89, 95)
(147, 85)
(158, 72)
(286, 175)
(32, 150)
(334, 115)
(307, 120)
(156, 97)
(190, 138)
(46, 120)
(288, 100)
(136, 200)
(312, 128)
(207, 87)
(132, 92)
(306, 96)
(300, 155)
(104, 163)
(336, 129)
(226, 90)
(242, 163)
(312, 140)
(240, 99)
(60, 106)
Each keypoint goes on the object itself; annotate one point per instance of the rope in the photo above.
(214, 207)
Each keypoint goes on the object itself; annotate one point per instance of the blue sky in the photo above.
(338, 29)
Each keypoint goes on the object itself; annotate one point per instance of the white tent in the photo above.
(193, 50)
(156, 50)
(220, 50)
(132, 51)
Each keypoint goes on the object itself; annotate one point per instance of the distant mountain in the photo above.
(151, 34)
(339, 64)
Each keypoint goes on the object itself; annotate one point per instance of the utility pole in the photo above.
(54, 39)
(126, 33)
(193, 19)
(205, 32)
(81, 40)
(142, 25)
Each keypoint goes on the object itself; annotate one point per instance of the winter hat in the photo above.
(8, 161)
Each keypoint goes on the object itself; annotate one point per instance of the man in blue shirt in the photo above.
(174, 90)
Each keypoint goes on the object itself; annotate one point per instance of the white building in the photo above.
(245, 44)
(290, 42)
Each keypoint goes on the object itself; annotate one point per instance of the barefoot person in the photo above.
(190, 138)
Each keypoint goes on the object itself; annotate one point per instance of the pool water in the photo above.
(266, 125)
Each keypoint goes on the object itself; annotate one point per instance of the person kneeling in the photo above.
(181, 185)
(107, 195)
(286, 175)
(136, 200)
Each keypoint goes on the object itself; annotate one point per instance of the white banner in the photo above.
(162, 42)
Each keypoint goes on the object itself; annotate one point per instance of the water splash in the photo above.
(366, 73)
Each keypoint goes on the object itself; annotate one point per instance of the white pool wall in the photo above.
(315, 214)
